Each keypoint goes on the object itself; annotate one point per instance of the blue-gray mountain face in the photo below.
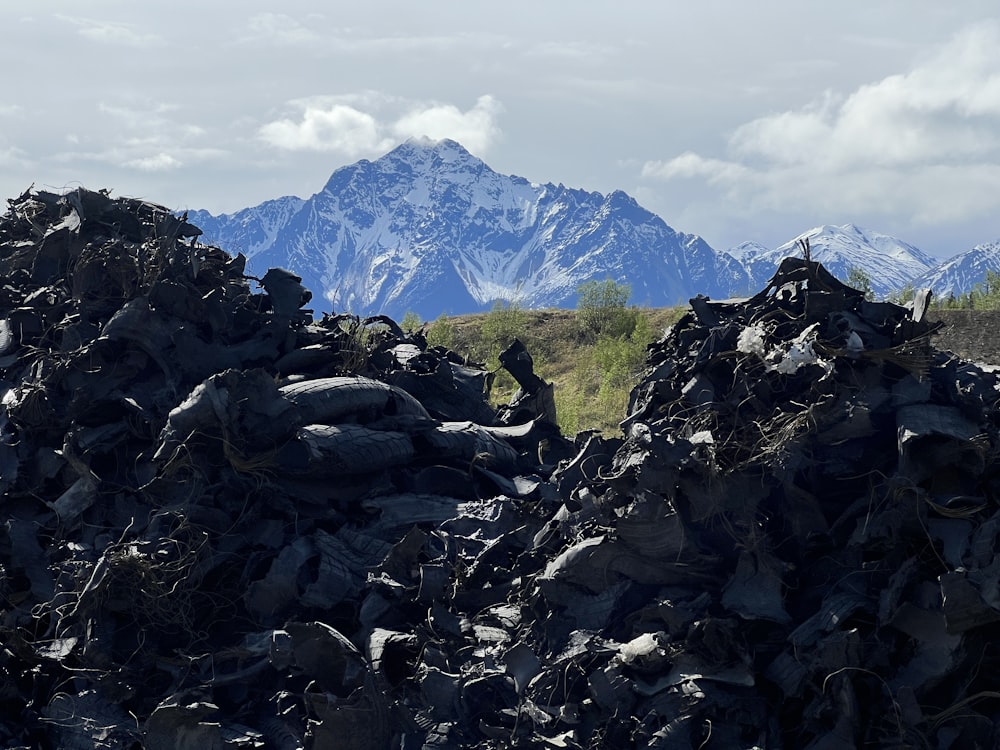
(429, 228)
(961, 273)
(889, 263)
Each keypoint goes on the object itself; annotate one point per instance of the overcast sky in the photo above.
(732, 120)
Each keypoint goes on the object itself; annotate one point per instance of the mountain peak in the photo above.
(852, 229)
(993, 246)
(431, 228)
(414, 157)
(425, 149)
(889, 261)
(961, 273)
(446, 160)
(832, 230)
(747, 250)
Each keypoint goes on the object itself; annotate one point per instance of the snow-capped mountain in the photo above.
(747, 250)
(889, 263)
(961, 273)
(430, 228)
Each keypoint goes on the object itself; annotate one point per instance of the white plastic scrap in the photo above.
(641, 647)
(702, 437)
(800, 352)
(751, 340)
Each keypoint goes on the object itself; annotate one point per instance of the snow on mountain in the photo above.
(889, 262)
(746, 250)
(430, 228)
(252, 232)
(961, 273)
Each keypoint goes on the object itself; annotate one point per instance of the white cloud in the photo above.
(338, 127)
(431, 45)
(476, 129)
(146, 138)
(156, 163)
(144, 114)
(364, 126)
(279, 28)
(925, 142)
(691, 165)
(789, 137)
(111, 32)
(13, 156)
(573, 51)
(145, 154)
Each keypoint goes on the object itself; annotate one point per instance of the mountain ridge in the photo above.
(960, 273)
(430, 228)
(890, 263)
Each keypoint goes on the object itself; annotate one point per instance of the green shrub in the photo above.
(601, 309)
(441, 333)
(411, 322)
(503, 323)
(596, 393)
(593, 377)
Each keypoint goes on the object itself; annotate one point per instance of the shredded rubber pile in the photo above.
(797, 544)
(213, 507)
(228, 525)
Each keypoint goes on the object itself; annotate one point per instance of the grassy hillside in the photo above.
(592, 374)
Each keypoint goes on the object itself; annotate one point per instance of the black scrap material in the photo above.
(227, 525)
(807, 501)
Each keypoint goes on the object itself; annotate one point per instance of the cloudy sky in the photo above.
(733, 120)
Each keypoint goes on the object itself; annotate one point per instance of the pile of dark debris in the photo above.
(227, 523)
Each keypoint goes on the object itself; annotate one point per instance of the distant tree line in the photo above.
(983, 296)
